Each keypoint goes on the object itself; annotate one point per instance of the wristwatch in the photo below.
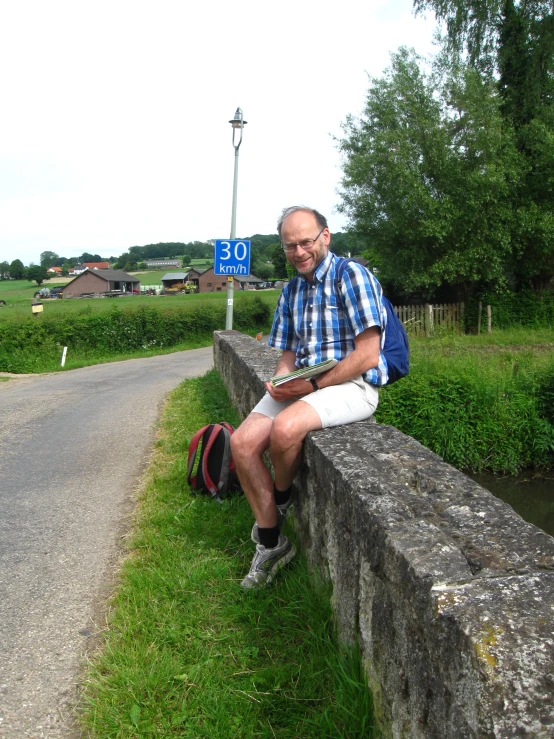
(314, 384)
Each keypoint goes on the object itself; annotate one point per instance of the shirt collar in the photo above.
(322, 267)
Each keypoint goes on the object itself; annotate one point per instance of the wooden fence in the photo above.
(424, 319)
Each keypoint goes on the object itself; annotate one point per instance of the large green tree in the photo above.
(17, 270)
(49, 259)
(512, 43)
(37, 273)
(487, 29)
(428, 175)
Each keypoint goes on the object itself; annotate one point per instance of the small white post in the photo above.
(64, 354)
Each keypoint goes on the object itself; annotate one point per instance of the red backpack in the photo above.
(215, 473)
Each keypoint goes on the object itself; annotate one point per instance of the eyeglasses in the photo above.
(304, 244)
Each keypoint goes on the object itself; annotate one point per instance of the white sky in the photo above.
(114, 115)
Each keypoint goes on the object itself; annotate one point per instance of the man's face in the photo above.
(297, 227)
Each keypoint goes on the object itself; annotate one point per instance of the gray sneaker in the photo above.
(267, 562)
(282, 511)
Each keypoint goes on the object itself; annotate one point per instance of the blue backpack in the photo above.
(396, 349)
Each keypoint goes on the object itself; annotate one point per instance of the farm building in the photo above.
(174, 278)
(210, 283)
(100, 281)
(97, 265)
(163, 263)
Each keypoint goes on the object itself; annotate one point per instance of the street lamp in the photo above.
(238, 123)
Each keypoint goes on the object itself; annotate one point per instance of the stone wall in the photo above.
(448, 592)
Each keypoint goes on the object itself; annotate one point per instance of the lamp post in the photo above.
(238, 123)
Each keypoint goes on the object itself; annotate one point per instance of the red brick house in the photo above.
(97, 265)
(210, 283)
(100, 281)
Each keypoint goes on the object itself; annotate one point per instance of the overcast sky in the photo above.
(114, 119)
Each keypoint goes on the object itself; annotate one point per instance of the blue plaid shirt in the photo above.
(319, 320)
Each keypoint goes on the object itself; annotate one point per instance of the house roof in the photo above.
(97, 265)
(115, 274)
(109, 275)
(175, 276)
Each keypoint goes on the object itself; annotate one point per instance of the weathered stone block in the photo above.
(448, 592)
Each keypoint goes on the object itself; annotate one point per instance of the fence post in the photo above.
(429, 318)
(479, 316)
(489, 319)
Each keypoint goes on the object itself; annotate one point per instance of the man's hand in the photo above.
(288, 390)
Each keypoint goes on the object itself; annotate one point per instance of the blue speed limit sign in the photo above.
(232, 257)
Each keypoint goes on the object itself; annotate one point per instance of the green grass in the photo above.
(187, 652)
(480, 402)
(19, 295)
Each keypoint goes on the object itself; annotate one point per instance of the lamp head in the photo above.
(237, 120)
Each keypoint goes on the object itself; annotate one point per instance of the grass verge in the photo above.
(188, 653)
(479, 402)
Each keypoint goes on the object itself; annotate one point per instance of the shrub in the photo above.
(475, 420)
(26, 344)
(526, 308)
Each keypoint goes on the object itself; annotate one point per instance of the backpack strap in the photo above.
(193, 448)
(341, 266)
(210, 484)
(231, 431)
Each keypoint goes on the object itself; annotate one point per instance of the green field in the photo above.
(18, 295)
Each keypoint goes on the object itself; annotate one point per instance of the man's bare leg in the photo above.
(248, 444)
(288, 432)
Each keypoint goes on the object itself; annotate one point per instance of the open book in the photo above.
(304, 372)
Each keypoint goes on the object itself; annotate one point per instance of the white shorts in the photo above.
(336, 405)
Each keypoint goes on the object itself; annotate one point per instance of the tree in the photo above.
(279, 262)
(124, 259)
(263, 271)
(37, 273)
(4, 270)
(486, 27)
(86, 257)
(187, 260)
(17, 270)
(347, 244)
(427, 178)
(49, 259)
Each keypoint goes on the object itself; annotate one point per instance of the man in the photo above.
(316, 318)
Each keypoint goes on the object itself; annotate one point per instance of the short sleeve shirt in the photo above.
(319, 320)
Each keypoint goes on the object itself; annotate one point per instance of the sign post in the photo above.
(231, 258)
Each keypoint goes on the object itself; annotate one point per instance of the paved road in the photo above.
(72, 448)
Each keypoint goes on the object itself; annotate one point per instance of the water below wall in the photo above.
(530, 493)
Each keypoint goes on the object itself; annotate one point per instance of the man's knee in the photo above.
(251, 437)
(285, 433)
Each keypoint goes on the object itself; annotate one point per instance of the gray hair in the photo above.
(321, 220)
